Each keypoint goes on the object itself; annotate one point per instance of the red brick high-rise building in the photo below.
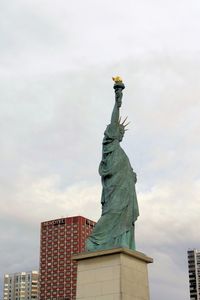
(60, 239)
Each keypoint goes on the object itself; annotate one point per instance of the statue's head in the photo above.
(114, 132)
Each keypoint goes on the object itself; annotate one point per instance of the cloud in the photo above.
(33, 201)
(39, 37)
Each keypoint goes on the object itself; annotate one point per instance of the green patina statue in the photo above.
(115, 228)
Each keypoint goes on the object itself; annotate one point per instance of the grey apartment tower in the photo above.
(23, 285)
(194, 273)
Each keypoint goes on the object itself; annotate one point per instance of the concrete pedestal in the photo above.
(116, 274)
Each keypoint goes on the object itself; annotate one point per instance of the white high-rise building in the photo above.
(21, 286)
(194, 273)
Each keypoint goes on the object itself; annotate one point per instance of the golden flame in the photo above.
(117, 79)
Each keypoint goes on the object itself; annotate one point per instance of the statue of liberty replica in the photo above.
(116, 226)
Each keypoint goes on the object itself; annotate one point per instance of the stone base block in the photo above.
(116, 274)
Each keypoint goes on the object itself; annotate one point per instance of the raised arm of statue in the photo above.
(118, 87)
(115, 114)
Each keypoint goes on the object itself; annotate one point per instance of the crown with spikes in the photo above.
(123, 123)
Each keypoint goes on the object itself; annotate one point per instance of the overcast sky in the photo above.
(56, 63)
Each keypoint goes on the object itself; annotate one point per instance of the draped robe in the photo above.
(115, 227)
